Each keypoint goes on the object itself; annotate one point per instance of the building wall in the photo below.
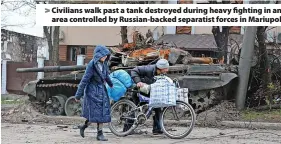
(43, 49)
(90, 52)
(63, 52)
(19, 47)
(109, 36)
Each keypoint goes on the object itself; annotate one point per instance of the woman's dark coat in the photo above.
(96, 105)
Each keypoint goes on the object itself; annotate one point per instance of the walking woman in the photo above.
(96, 105)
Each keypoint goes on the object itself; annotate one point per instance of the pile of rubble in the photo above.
(224, 111)
(27, 113)
(21, 113)
(143, 51)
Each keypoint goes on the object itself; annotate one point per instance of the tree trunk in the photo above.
(47, 33)
(264, 63)
(56, 46)
(55, 58)
(124, 35)
(52, 35)
(221, 39)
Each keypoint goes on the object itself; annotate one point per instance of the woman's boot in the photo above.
(100, 136)
(82, 129)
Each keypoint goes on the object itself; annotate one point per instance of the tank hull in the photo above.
(208, 84)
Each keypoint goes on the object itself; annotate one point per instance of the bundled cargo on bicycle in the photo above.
(163, 92)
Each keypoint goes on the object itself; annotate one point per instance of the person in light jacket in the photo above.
(96, 104)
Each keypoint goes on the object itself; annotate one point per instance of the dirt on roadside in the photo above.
(25, 112)
(226, 111)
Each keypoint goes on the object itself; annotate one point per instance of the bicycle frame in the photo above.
(141, 112)
(142, 99)
(145, 100)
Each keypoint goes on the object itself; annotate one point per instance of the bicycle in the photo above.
(140, 114)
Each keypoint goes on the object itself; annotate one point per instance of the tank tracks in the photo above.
(202, 100)
(58, 99)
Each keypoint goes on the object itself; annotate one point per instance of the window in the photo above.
(235, 30)
(73, 51)
(184, 29)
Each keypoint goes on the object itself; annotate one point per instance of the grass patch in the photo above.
(274, 115)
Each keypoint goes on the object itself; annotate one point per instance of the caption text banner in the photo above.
(158, 15)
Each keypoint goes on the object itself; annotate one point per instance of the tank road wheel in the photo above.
(203, 99)
(73, 108)
(41, 95)
(55, 106)
(64, 96)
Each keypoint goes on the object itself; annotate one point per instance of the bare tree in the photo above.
(221, 37)
(124, 29)
(22, 8)
(124, 34)
(264, 66)
(52, 36)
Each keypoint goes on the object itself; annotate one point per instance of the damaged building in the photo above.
(20, 47)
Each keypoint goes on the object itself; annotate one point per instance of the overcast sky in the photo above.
(22, 19)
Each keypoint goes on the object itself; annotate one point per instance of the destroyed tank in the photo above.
(208, 85)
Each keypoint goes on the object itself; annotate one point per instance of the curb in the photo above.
(230, 124)
(66, 120)
(251, 125)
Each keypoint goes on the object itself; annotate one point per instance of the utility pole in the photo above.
(245, 65)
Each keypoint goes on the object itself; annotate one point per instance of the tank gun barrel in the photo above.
(196, 69)
(52, 69)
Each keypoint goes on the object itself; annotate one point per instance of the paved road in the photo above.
(51, 134)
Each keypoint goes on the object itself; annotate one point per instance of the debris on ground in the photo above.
(26, 113)
(21, 113)
(224, 111)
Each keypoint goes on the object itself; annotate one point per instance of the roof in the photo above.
(5, 30)
(195, 41)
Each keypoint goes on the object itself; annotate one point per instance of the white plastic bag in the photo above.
(163, 92)
(182, 94)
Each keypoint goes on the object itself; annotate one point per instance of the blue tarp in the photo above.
(117, 91)
(121, 81)
(123, 77)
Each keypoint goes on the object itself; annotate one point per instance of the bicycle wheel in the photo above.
(120, 108)
(186, 110)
